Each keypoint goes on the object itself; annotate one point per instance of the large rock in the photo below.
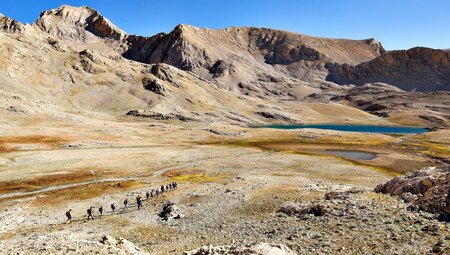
(170, 211)
(427, 190)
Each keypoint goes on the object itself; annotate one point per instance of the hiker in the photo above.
(139, 202)
(113, 208)
(125, 203)
(100, 210)
(69, 216)
(90, 213)
(152, 193)
(162, 188)
(147, 194)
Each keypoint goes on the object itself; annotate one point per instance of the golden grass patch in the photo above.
(197, 178)
(177, 172)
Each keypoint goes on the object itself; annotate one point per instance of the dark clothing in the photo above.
(100, 210)
(125, 203)
(90, 213)
(69, 216)
(113, 208)
(139, 202)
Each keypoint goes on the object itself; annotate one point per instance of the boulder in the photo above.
(170, 211)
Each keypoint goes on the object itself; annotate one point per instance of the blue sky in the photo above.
(398, 24)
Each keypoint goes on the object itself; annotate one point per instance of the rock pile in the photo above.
(256, 248)
(427, 190)
(121, 246)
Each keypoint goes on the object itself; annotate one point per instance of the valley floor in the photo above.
(232, 181)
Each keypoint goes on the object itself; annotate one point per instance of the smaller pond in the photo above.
(355, 128)
(352, 154)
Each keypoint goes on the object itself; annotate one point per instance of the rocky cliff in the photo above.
(418, 68)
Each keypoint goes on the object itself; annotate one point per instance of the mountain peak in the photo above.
(70, 22)
(10, 25)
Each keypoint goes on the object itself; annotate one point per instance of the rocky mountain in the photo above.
(418, 68)
(257, 61)
(254, 61)
(75, 56)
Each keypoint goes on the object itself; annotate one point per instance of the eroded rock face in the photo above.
(427, 190)
(418, 68)
(257, 248)
(228, 53)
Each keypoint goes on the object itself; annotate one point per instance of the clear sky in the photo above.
(398, 24)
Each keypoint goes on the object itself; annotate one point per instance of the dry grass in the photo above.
(198, 178)
(177, 172)
(52, 179)
(8, 142)
(267, 201)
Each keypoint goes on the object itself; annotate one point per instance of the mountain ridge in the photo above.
(252, 61)
(239, 59)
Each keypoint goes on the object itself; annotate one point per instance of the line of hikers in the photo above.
(148, 195)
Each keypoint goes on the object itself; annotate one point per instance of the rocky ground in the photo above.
(229, 197)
